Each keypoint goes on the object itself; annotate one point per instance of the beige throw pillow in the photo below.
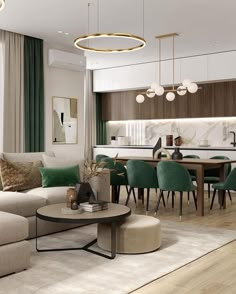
(18, 176)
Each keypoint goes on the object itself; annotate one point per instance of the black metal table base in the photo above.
(85, 247)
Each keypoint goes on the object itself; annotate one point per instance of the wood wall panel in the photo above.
(213, 100)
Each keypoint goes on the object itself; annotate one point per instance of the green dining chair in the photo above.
(227, 185)
(99, 157)
(192, 172)
(211, 176)
(193, 175)
(118, 176)
(174, 177)
(141, 175)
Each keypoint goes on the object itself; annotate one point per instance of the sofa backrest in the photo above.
(27, 156)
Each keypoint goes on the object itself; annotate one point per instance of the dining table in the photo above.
(192, 164)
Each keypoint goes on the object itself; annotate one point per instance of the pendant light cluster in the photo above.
(2, 4)
(157, 90)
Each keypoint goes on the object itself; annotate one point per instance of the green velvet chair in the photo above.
(192, 172)
(118, 176)
(99, 157)
(227, 185)
(174, 177)
(141, 175)
(211, 176)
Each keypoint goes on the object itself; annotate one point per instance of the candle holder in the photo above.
(71, 196)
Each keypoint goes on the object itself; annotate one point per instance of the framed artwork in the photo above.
(64, 120)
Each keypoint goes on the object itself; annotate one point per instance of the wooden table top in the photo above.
(53, 213)
(184, 160)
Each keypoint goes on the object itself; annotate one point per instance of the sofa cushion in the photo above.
(27, 156)
(18, 176)
(49, 161)
(21, 203)
(65, 176)
(52, 195)
(13, 228)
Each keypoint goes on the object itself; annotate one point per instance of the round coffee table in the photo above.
(114, 214)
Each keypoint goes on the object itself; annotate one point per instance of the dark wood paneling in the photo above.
(213, 100)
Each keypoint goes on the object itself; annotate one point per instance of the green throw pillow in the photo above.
(54, 177)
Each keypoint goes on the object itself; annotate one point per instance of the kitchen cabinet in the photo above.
(212, 100)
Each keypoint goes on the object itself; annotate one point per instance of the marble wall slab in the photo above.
(192, 131)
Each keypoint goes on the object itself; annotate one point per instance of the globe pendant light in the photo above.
(2, 4)
(158, 90)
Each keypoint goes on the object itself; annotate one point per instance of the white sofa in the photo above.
(18, 212)
(25, 203)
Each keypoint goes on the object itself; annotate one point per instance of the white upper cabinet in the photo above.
(221, 66)
(194, 68)
(205, 68)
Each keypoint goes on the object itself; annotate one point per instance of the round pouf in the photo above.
(137, 234)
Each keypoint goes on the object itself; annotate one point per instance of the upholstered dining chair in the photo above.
(100, 156)
(118, 176)
(174, 177)
(211, 176)
(192, 173)
(141, 175)
(227, 185)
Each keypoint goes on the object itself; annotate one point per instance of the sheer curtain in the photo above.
(1, 89)
(90, 115)
(11, 91)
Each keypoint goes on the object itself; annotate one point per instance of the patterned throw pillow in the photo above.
(18, 176)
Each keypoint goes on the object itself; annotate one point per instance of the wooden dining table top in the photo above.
(184, 160)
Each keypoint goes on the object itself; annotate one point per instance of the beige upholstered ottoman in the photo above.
(137, 234)
(14, 250)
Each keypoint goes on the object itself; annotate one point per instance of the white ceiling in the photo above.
(205, 26)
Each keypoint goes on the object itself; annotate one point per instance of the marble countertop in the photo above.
(227, 148)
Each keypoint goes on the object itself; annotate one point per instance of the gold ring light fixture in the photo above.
(157, 90)
(109, 35)
(2, 4)
(77, 42)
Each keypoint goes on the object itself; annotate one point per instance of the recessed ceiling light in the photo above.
(66, 34)
(60, 32)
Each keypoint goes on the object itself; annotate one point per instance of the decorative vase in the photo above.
(84, 192)
(156, 147)
(177, 154)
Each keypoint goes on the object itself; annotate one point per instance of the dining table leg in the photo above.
(200, 189)
(222, 179)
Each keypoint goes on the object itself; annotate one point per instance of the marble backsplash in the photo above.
(192, 131)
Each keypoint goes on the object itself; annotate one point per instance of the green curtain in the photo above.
(34, 94)
(100, 124)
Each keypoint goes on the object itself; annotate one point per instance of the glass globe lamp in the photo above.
(181, 90)
(192, 88)
(154, 85)
(159, 91)
(140, 98)
(186, 82)
(150, 93)
(170, 96)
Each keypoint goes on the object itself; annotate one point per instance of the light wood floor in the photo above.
(213, 273)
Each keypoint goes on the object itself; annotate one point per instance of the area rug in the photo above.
(75, 272)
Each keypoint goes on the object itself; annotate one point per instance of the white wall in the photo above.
(63, 83)
(205, 68)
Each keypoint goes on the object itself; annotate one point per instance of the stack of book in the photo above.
(92, 207)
